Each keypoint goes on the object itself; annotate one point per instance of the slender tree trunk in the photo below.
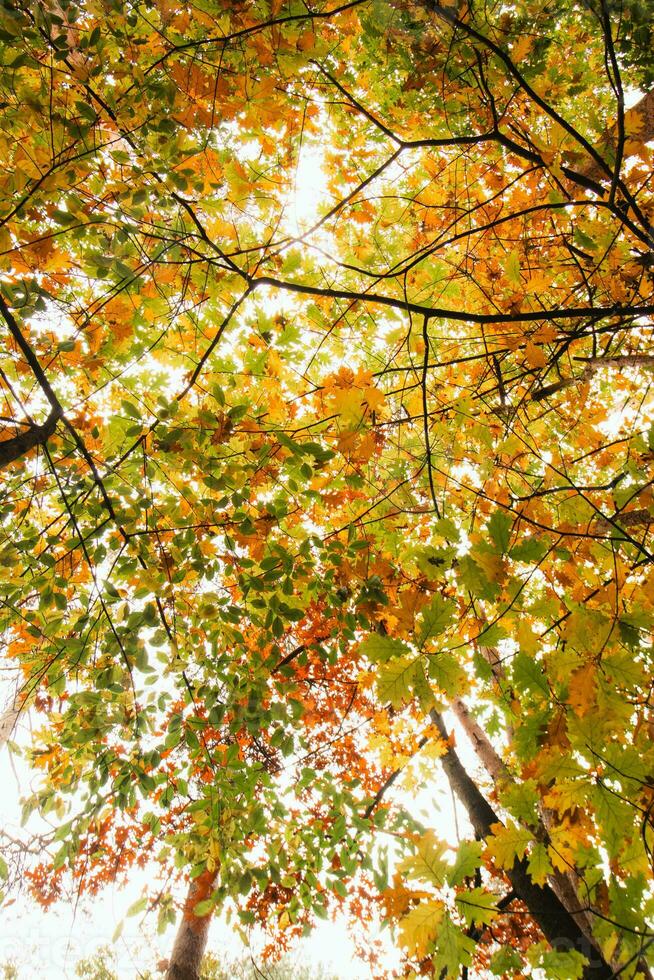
(485, 751)
(564, 884)
(191, 939)
(9, 716)
(556, 923)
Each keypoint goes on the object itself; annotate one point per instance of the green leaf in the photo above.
(528, 674)
(539, 864)
(512, 268)
(447, 673)
(204, 907)
(129, 408)
(505, 962)
(499, 528)
(453, 948)
(63, 217)
(395, 681)
(477, 906)
(435, 618)
(560, 965)
(508, 844)
(380, 648)
(139, 906)
(428, 863)
(584, 240)
(475, 579)
(521, 798)
(530, 550)
(468, 859)
(422, 688)
(613, 815)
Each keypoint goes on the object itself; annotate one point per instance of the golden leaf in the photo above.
(419, 928)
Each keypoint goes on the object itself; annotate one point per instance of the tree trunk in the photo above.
(556, 923)
(191, 939)
(564, 884)
(480, 742)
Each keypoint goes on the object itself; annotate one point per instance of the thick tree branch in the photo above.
(35, 435)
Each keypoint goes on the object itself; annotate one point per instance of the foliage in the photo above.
(281, 487)
(99, 966)
(287, 968)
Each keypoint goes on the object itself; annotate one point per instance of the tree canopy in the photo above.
(327, 443)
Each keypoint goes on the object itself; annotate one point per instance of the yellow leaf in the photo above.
(582, 689)
(521, 48)
(561, 856)
(374, 398)
(492, 564)
(534, 355)
(566, 795)
(528, 640)
(435, 749)
(507, 844)
(427, 864)
(547, 333)
(419, 928)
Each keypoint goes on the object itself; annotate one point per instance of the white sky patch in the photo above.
(310, 188)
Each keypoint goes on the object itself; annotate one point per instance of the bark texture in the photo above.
(191, 939)
(34, 435)
(485, 751)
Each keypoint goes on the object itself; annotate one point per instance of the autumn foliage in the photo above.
(327, 443)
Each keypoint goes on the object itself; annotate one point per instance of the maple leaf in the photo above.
(428, 863)
(396, 680)
(447, 673)
(539, 864)
(453, 948)
(534, 355)
(512, 268)
(420, 926)
(466, 862)
(434, 619)
(508, 844)
(477, 906)
(560, 965)
(582, 689)
(505, 962)
(374, 398)
(380, 648)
